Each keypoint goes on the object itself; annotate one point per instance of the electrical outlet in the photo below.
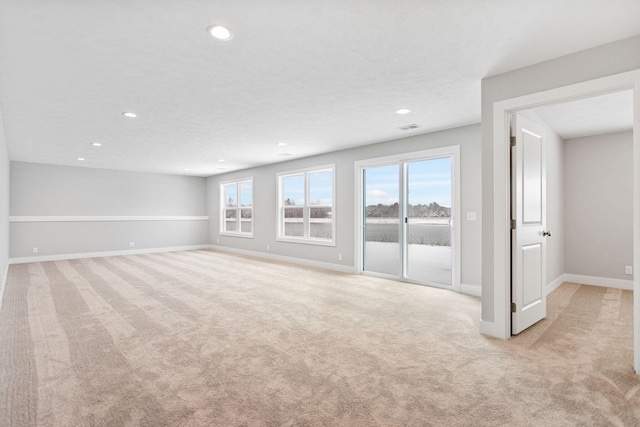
(217, 240)
(472, 216)
(628, 269)
(132, 244)
(339, 257)
(35, 250)
(268, 247)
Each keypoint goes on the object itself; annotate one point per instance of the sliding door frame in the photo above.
(435, 153)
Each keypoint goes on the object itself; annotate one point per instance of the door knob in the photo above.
(546, 234)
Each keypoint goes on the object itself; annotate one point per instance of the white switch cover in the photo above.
(628, 269)
(131, 244)
(472, 216)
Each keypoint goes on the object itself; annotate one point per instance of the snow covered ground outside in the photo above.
(425, 264)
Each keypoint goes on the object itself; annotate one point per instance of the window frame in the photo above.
(306, 208)
(238, 208)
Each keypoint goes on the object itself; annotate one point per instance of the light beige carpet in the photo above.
(206, 338)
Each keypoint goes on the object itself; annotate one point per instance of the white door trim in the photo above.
(454, 152)
(501, 189)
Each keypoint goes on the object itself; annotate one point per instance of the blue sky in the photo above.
(428, 181)
(320, 188)
(231, 194)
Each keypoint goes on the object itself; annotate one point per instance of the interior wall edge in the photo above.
(5, 199)
(3, 282)
(555, 284)
(473, 290)
(487, 328)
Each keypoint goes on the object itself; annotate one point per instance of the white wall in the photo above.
(598, 205)
(583, 66)
(4, 207)
(467, 137)
(50, 191)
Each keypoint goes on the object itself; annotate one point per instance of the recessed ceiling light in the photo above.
(220, 32)
(403, 111)
(96, 144)
(284, 154)
(81, 159)
(281, 144)
(185, 169)
(221, 160)
(129, 114)
(221, 169)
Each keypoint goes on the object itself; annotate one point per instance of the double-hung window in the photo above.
(236, 201)
(306, 207)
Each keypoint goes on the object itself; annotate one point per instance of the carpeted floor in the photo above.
(204, 338)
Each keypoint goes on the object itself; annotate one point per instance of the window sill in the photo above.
(243, 235)
(307, 241)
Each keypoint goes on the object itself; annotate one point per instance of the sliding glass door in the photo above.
(428, 221)
(407, 220)
(382, 230)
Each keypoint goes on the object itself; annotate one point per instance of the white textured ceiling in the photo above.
(318, 75)
(607, 113)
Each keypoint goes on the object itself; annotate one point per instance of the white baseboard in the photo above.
(60, 257)
(310, 263)
(556, 283)
(474, 290)
(487, 328)
(599, 281)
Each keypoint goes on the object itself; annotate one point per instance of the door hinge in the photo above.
(513, 224)
(513, 141)
(513, 307)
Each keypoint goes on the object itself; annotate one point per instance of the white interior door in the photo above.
(528, 234)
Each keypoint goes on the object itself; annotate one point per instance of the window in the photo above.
(236, 218)
(306, 206)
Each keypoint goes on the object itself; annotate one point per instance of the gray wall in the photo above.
(587, 65)
(555, 206)
(47, 190)
(599, 205)
(4, 207)
(467, 137)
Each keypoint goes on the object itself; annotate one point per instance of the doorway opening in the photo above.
(501, 325)
(585, 200)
